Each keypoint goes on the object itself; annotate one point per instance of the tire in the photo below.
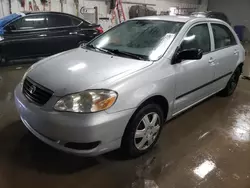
(2, 61)
(231, 85)
(134, 147)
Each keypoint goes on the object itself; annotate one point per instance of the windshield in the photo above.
(148, 39)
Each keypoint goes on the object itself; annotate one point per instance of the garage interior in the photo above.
(206, 146)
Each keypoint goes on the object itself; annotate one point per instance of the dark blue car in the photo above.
(39, 34)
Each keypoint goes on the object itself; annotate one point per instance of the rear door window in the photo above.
(223, 37)
(62, 20)
(30, 22)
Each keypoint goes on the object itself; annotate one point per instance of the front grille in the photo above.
(35, 92)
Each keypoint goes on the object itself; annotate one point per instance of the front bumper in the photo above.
(59, 128)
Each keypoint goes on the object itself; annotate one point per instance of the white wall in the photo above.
(103, 6)
(70, 8)
(237, 11)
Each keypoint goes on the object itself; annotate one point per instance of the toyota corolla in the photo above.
(119, 89)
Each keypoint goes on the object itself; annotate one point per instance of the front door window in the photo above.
(198, 37)
(29, 22)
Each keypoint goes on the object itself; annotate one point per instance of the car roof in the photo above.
(208, 12)
(182, 19)
(52, 12)
(166, 18)
(42, 12)
(205, 12)
(49, 12)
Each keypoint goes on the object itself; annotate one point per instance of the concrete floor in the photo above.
(208, 146)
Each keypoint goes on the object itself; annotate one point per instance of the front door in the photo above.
(25, 37)
(193, 77)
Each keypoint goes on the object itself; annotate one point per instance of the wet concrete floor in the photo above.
(207, 146)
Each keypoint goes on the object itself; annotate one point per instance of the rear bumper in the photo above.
(57, 129)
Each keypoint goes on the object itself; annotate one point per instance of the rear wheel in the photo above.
(143, 130)
(232, 84)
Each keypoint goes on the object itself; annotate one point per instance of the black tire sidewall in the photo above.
(128, 145)
(226, 91)
(237, 74)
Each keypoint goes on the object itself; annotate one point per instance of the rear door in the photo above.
(25, 38)
(225, 53)
(194, 77)
(65, 32)
(88, 31)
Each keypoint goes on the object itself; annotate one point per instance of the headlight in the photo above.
(1, 38)
(87, 101)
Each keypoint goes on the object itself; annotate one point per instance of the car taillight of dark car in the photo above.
(100, 29)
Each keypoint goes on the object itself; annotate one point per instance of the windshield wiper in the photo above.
(134, 56)
(115, 52)
(100, 49)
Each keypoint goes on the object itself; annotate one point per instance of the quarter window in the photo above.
(30, 22)
(198, 37)
(223, 37)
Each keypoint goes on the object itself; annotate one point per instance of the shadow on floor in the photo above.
(21, 148)
(20, 62)
(25, 150)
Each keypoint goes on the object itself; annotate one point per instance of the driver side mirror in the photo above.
(189, 54)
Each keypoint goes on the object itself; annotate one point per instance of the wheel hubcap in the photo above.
(147, 131)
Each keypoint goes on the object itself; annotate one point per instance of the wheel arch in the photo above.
(156, 99)
(241, 66)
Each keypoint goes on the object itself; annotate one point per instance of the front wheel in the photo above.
(2, 61)
(143, 130)
(231, 85)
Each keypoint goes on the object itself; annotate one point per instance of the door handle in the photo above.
(73, 33)
(236, 52)
(211, 61)
(43, 35)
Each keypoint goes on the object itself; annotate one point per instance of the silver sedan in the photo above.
(118, 90)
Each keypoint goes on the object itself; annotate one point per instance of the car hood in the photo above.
(79, 69)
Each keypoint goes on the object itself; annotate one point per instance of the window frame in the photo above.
(26, 30)
(47, 27)
(233, 34)
(209, 31)
(71, 17)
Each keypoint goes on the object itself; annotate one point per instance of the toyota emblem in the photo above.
(32, 89)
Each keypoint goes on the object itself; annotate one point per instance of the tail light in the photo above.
(100, 29)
